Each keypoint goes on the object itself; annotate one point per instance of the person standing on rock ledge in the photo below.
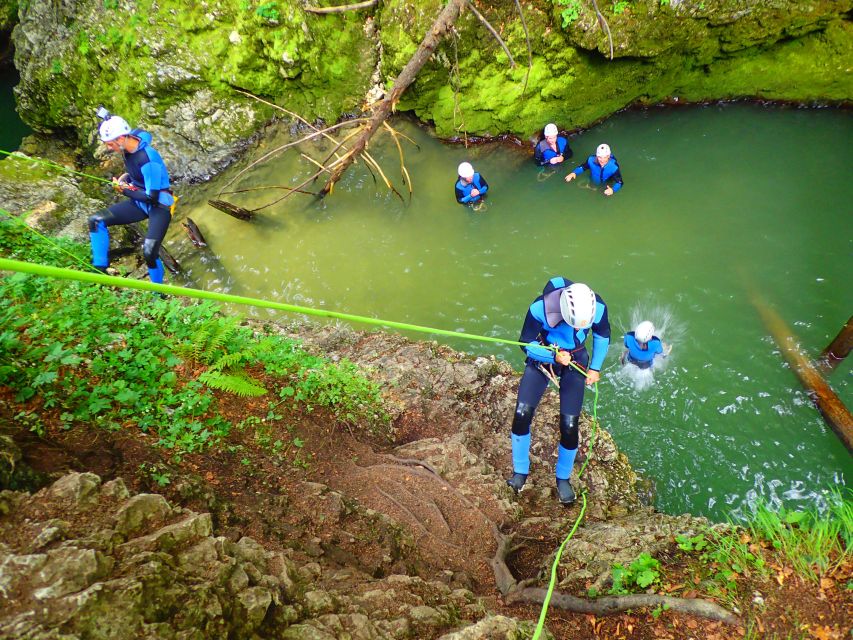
(146, 184)
(561, 319)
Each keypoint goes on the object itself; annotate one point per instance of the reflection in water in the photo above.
(716, 200)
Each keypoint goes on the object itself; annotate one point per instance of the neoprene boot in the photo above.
(565, 492)
(517, 481)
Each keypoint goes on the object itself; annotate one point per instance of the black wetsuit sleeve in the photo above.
(140, 196)
(616, 179)
(484, 186)
(530, 330)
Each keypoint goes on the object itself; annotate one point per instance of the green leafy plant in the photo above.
(217, 343)
(156, 473)
(619, 6)
(641, 573)
(695, 543)
(76, 349)
(269, 12)
(571, 11)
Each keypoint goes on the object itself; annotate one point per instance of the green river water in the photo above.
(12, 129)
(718, 201)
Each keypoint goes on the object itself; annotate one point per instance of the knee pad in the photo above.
(569, 430)
(150, 251)
(522, 419)
(96, 222)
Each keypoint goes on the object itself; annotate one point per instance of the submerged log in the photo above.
(833, 410)
(231, 209)
(194, 233)
(837, 349)
(439, 28)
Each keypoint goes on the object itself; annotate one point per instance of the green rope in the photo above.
(18, 221)
(52, 164)
(144, 285)
(540, 625)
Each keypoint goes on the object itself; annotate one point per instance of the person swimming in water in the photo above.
(642, 346)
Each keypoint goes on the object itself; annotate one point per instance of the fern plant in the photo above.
(223, 348)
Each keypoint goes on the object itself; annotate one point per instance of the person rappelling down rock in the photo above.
(146, 184)
(555, 330)
(642, 346)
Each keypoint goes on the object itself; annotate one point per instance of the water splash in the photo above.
(667, 328)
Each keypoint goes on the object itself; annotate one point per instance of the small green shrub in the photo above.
(641, 573)
(571, 11)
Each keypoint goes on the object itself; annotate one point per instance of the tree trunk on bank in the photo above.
(439, 28)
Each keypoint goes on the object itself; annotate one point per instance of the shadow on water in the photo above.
(13, 130)
(709, 192)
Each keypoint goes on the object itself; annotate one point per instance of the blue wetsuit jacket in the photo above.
(544, 324)
(148, 174)
(643, 358)
(463, 191)
(609, 173)
(542, 152)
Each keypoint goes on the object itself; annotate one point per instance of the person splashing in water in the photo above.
(642, 346)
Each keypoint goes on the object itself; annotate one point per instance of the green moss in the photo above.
(8, 14)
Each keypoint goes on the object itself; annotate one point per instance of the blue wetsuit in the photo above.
(463, 191)
(643, 358)
(542, 152)
(151, 198)
(544, 325)
(608, 174)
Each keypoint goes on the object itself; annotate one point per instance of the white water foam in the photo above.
(667, 328)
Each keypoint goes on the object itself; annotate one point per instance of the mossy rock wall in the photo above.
(684, 49)
(176, 67)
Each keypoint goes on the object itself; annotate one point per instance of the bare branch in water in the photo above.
(406, 180)
(277, 150)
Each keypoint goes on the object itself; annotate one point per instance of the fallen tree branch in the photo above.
(494, 33)
(342, 8)
(441, 26)
(310, 136)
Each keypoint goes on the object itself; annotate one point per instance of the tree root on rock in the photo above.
(616, 604)
(514, 591)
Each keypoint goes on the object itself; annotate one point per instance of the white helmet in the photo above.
(602, 151)
(644, 331)
(551, 129)
(577, 305)
(112, 128)
(466, 170)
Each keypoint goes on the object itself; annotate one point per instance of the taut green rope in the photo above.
(54, 165)
(129, 283)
